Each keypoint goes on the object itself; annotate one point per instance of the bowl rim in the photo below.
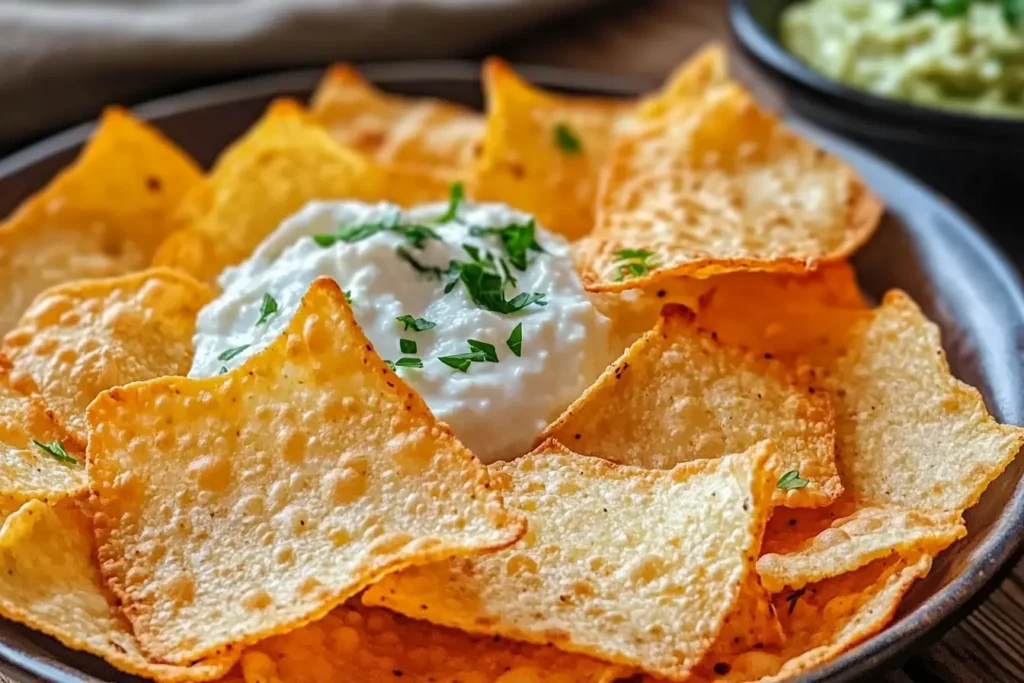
(764, 47)
(934, 615)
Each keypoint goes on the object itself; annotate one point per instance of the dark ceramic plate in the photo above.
(923, 247)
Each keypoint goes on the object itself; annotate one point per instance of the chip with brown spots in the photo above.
(237, 507)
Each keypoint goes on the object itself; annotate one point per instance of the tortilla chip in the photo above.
(395, 130)
(824, 620)
(80, 338)
(725, 188)
(26, 470)
(542, 153)
(632, 566)
(383, 646)
(908, 433)
(852, 542)
(52, 585)
(283, 162)
(688, 84)
(237, 507)
(679, 395)
(102, 216)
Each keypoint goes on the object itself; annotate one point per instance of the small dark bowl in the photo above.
(977, 161)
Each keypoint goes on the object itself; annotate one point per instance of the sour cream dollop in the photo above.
(496, 408)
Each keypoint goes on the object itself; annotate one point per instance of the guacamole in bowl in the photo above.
(965, 55)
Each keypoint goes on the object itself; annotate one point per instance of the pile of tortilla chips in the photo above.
(746, 493)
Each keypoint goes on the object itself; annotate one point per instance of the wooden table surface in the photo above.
(647, 38)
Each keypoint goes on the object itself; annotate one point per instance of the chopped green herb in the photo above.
(267, 308)
(55, 449)
(487, 289)
(456, 193)
(951, 8)
(566, 139)
(415, 235)
(390, 364)
(416, 324)
(348, 297)
(791, 480)
(407, 346)
(911, 7)
(462, 361)
(633, 263)
(409, 363)
(488, 350)
(231, 353)
(518, 238)
(1013, 11)
(431, 271)
(223, 370)
(515, 340)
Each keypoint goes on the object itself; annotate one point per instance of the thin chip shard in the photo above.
(679, 395)
(691, 81)
(542, 153)
(237, 507)
(383, 646)
(52, 585)
(80, 338)
(720, 189)
(26, 469)
(102, 216)
(633, 566)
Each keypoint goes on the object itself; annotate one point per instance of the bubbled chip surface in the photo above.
(26, 470)
(237, 507)
(633, 566)
(102, 216)
(52, 584)
(82, 337)
(678, 395)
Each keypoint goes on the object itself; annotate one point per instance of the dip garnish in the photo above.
(407, 346)
(488, 350)
(566, 139)
(231, 353)
(455, 194)
(519, 240)
(633, 262)
(791, 480)
(515, 340)
(462, 361)
(404, 363)
(416, 324)
(55, 449)
(268, 307)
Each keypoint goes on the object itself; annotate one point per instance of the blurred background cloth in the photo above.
(61, 61)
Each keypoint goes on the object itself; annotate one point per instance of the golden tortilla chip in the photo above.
(688, 84)
(237, 507)
(725, 188)
(52, 584)
(395, 130)
(542, 153)
(383, 646)
(102, 216)
(679, 395)
(38, 459)
(285, 161)
(632, 566)
(823, 620)
(908, 433)
(852, 542)
(80, 338)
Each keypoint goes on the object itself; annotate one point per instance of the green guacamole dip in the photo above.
(954, 54)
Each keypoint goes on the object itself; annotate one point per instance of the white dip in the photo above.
(496, 408)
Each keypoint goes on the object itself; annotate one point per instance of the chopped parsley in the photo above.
(566, 139)
(518, 238)
(268, 307)
(633, 263)
(486, 287)
(456, 193)
(404, 363)
(415, 235)
(1013, 11)
(515, 341)
(231, 353)
(791, 480)
(223, 370)
(431, 271)
(488, 350)
(416, 324)
(55, 449)
(407, 346)
(348, 297)
(462, 361)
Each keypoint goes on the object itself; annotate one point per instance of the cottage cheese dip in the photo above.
(497, 362)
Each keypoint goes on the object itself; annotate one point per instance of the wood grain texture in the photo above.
(646, 39)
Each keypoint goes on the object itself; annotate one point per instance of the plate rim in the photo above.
(935, 615)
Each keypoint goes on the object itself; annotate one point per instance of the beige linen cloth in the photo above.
(61, 61)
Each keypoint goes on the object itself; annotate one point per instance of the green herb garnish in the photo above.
(231, 353)
(951, 8)
(404, 363)
(1013, 11)
(348, 297)
(456, 193)
(407, 346)
(462, 361)
(518, 238)
(791, 480)
(223, 370)
(487, 289)
(268, 307)
(633, 263)
(55, 449)
(416, 235)
(488, 350)
(431, 271)
(515, 341)
(566, 139)
(416, 324)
